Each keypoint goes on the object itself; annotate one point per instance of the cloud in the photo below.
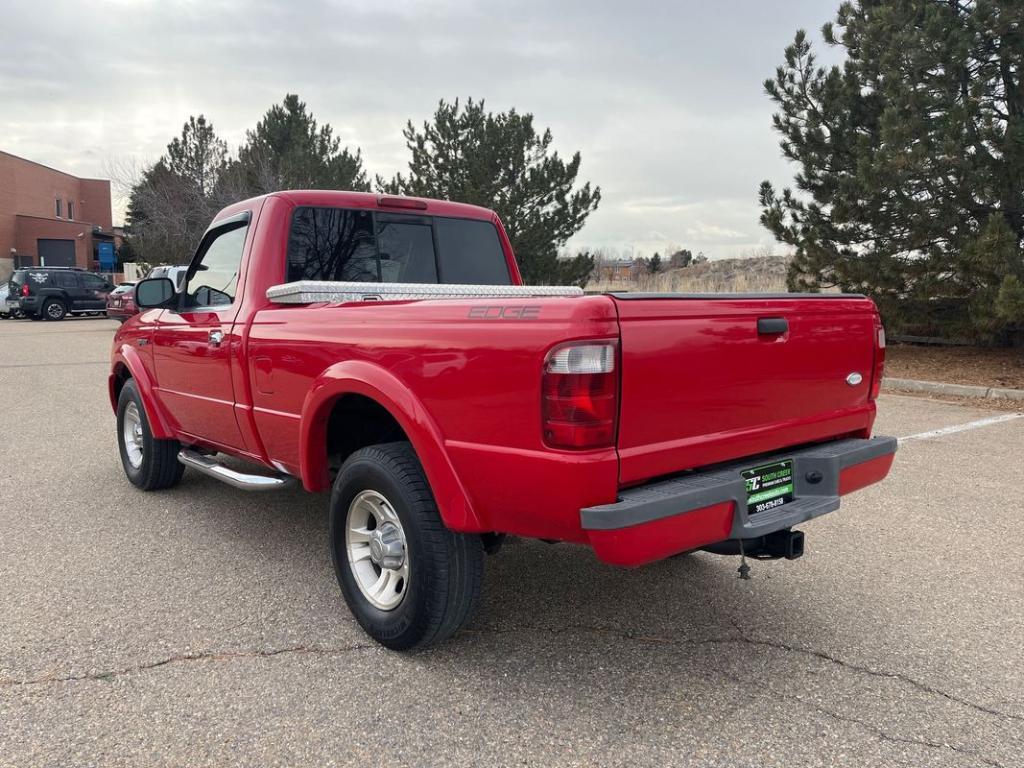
(663, 99)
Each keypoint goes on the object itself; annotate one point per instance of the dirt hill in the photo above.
(763, 274)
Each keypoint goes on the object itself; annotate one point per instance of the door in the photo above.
(94, 293)
(70, 286)
(56, 253)
(193, 343)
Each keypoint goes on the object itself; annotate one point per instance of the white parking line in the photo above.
(962, 427)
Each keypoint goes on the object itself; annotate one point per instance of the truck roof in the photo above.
(375, 201)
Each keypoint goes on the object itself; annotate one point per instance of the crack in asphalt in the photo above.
(924, 687)
(884, 735)
(263, 653)
(739, 638)
(879, 732)
(50, 365)
(742, 638)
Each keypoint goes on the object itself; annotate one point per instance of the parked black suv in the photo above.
(55, 292)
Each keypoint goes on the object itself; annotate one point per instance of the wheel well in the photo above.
(356, 422)
(121, 376)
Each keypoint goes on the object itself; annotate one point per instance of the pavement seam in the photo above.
(187, 658)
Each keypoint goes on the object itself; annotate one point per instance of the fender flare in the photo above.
(354, 377)
(129, 357)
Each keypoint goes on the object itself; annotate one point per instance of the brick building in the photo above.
(49, 217)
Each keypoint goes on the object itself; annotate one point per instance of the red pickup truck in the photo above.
(385, 348)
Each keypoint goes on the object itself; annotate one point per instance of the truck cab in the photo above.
(385, 348)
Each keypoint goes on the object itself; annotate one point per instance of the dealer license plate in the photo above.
(769, 486)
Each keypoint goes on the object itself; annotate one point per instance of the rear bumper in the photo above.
(664, 518)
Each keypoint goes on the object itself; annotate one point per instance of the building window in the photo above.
(71, 209)
(59, 211)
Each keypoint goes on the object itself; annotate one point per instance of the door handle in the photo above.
(216, 337)
(772, 325)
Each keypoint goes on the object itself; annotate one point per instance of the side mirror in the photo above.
(153, 292)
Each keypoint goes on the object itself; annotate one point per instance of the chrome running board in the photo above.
(218, 471)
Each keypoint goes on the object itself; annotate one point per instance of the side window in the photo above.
(406, 248)
(65, 280)
(216, 277)
(94, 283)
(470, 252)
(332, 244)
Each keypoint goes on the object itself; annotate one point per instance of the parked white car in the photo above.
(6, 310)
(176, 274)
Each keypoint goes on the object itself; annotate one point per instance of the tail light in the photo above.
(878, 370)
(580, 395)
(24, 289)
(392, 201)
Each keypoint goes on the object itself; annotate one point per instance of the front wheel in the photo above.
(409, 581)
(149, 464)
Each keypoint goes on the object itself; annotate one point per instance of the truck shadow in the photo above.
(532, 590)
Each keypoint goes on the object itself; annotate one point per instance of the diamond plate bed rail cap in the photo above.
(317, 291)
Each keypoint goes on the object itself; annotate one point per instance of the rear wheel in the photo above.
(408, 580)
(55, 310)
(149, 464)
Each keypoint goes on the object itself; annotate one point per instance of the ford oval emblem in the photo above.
(854, 379)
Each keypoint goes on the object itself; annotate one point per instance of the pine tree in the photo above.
(654, 265)
(198, 156)
(172, 202)
(500, 161)
(289, 150)
(911, 160)
(681, 258)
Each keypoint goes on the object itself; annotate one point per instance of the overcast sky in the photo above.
(664, 100)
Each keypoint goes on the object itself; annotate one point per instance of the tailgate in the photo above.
(716, 378)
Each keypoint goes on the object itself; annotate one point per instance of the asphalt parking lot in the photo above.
(203, 626)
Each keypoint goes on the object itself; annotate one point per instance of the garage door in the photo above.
(56, 253)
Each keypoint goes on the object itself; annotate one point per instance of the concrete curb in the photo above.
(953, 390)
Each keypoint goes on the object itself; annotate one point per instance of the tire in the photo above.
(439, 589)
(54, 309)
(156, 464)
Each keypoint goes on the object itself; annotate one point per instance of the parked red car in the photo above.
(384, 348)
(121, 302)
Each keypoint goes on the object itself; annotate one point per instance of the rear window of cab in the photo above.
(342, 244)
